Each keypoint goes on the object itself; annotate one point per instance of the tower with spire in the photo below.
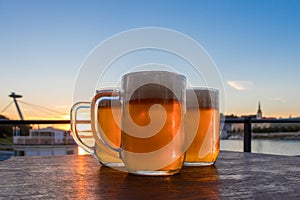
(259, 113)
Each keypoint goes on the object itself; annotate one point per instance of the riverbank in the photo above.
(6, 148)
(277, 135)
(6, 144)
(268, 136)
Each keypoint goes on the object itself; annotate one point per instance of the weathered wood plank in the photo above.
(235, 176)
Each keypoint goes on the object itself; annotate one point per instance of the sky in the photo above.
(254, 43)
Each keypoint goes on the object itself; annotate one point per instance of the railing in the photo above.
(16, 122)
(39, 140)
(247, 121)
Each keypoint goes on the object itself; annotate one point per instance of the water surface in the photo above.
(277, 147)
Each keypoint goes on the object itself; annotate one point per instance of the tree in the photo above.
(6, 129)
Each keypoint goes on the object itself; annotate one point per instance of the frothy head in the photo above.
(206, 98)
(153, 84)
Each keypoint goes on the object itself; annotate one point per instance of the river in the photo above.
(277, 147)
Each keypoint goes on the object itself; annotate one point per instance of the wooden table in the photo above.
(235, 176)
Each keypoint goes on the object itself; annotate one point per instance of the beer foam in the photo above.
(153, 84)
(206, 98)
(152, 91)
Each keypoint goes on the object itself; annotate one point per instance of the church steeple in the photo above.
(259, 113)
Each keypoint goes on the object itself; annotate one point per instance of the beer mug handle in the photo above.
(100, 135)
(74, 110)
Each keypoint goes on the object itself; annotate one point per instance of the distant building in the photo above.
(44, 142)
(293, 126)
(239, 127)
(259, 112)
(259, 116)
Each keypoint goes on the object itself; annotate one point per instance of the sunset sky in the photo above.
(255, 45)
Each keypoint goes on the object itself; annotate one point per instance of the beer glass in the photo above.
(205, 147)
(153, 108)
(105, 120)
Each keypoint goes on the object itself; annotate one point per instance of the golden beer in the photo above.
(139, 111)
(109, 116)
(205, 147)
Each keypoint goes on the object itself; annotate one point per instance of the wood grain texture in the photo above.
(235, 176)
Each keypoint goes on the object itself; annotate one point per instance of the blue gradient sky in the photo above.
(255, 44)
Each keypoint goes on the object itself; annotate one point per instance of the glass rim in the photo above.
(107, 89)
(159, 72)
(202, 88)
